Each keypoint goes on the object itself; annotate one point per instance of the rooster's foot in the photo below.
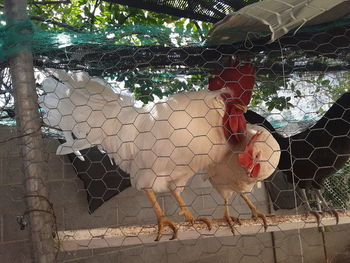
(162, 222)
(231, 221)
(191, 219)
(316, 214)
(334, 213)
(257, 214)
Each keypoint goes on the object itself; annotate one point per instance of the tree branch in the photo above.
(50, 2)
(53, 22)
(92, 19)
(200, 32)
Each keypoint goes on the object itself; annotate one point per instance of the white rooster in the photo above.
(161, 145)
(252, 160)
(253, 153)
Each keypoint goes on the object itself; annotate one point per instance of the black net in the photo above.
(201, 10)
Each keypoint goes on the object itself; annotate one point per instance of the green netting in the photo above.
(42, 41)
(160, 60)
(337, 188)
(151, 45)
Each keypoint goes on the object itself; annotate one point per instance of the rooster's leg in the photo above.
(255, 212)
(162, 219)
(230, 219)
(311, 211)
(324, 203)
(187, 213)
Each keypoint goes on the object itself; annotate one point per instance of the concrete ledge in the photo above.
(137, 235)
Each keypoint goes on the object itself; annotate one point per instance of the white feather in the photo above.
(161, 145)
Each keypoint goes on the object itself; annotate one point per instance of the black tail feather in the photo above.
(102, 179)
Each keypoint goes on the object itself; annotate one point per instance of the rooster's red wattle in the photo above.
(239, 80)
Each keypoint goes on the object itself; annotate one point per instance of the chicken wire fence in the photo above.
(129, 107)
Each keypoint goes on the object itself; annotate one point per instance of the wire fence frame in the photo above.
(40, 209)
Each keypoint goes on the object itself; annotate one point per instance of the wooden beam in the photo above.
(137, 235)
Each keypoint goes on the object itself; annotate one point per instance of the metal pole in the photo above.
(28, 126)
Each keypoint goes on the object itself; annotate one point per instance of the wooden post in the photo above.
(28, 127)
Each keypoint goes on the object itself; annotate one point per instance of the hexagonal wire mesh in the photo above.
(180, 146)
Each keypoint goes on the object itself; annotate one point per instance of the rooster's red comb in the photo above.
(238, 77)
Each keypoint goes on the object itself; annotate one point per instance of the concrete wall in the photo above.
(132, 207)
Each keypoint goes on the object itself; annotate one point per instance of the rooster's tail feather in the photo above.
(76, 103)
